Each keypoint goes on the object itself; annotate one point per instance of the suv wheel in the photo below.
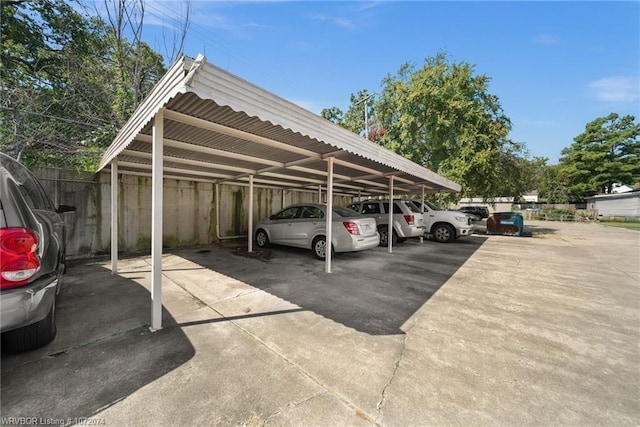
(444, 233)
(383, 236)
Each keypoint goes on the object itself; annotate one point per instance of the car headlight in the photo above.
(462, 219)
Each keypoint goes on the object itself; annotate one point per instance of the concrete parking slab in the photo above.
(489, 330)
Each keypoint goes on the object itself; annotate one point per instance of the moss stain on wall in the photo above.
(237, 217)
(143, 243)
(213, 220)
(196, 214)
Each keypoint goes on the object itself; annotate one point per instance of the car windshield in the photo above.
(345, 212)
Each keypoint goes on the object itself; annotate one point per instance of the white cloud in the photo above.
(547, 39)
(336, 20)
(616, 89)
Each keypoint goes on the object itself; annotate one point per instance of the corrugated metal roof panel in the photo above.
(212, 116)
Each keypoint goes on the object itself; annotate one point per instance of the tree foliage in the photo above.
(442, 116)
(67, 82)
(606, 153)
(551, 182)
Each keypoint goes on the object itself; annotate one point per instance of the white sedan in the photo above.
(303, 226)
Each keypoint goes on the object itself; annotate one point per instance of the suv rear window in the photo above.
(411, 206)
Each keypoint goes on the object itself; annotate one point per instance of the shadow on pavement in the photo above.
(103, 351)
(371, 291)
(536, 230)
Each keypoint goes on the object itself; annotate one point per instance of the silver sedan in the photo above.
(303, 226)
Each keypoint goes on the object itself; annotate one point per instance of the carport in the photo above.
(201, 123)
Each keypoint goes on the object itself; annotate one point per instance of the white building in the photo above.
(618, 205)
(496, 204)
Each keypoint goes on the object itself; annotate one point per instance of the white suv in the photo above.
(445, 226)
(407, 218)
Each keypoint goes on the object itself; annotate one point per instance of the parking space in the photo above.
(485, 330)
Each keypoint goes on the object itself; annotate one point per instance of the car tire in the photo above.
(383, 236)
(262, 240)
(319, 248)
(31, 336)
(444, 233)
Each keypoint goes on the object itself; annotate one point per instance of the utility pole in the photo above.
(366, 117)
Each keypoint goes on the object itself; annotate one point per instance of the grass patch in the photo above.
(629, 225)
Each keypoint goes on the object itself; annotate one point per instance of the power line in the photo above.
(63, 119)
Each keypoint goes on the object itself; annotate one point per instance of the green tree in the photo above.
(606, 153)
(442, 117)
(333, 114)
(68, 83)
(50, 79)
(552, 185)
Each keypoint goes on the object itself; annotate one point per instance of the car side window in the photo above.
(354, 207)
(289, 213)
(312, 212)
(33, 192)
(370, 208)
(396, 209)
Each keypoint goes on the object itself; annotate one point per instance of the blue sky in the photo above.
(555, 66)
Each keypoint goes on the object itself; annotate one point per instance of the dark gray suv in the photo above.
(32, 258)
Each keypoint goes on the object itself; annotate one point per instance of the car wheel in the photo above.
(319, 248)
(383, 236)
(444, 233)
(31, 336)
(262, 240)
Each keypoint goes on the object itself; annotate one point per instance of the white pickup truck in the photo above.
(445, 226)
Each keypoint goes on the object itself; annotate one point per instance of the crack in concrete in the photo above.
(383, 394)
(295, 405)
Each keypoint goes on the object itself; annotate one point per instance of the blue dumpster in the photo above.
(507, 223)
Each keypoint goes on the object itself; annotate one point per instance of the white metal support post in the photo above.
(390, 228)
(114, 216)
(329, 216)
(250, 232)
(156, 220)
(424, 221)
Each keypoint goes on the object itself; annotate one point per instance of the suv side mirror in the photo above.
(65, 208)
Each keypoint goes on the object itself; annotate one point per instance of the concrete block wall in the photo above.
(189, 213)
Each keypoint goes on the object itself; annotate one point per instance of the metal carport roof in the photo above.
(221, 128)
(202, 123)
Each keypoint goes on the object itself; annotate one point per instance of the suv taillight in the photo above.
(351, 227)
(18, 257)
(409, 219)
